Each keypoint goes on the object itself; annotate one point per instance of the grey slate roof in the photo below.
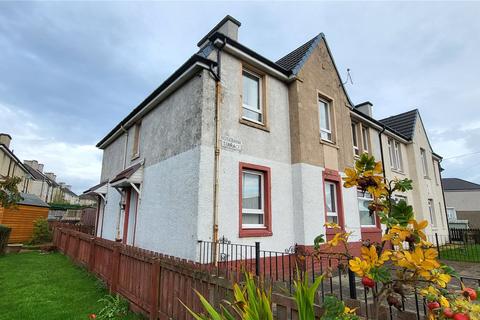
(36, 175)
(404, 123)
(458, 184)
(294, 60)
(32, 200)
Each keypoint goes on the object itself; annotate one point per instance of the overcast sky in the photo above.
(70, 71)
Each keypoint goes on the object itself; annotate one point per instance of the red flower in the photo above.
(92, 316)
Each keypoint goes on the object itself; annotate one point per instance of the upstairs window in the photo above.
(395, 153)
(366, 145)
(325, 114)
(251, 97)
(136, 141)
(423, 155)
(356, 150)
(435, 171)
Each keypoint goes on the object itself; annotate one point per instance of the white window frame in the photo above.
(363, 196)
(431, 210)
(454, 218)
(262, 201)
(365, 141)
(395, 153)
(335, 201)
(356, 149)
(435, 171)
(423, 156)
(260, 99)
(327, 131)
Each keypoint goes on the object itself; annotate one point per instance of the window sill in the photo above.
(398, 171)
(370, 229)
(329, 143)
(254, 124)
(247, 233)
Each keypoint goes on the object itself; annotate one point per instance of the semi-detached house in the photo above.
(235, 146)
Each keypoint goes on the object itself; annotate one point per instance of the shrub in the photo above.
(4, 234)
(41, 232)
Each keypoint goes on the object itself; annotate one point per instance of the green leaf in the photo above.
(402, 212)
(318, 240)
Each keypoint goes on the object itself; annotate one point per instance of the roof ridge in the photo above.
(400, 114)
(304, 54)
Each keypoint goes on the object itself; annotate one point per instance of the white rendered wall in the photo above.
(110, 219)
(167, 212)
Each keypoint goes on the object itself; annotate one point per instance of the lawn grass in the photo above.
(469, 253)
(47, 286)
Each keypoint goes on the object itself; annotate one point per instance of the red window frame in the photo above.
(256, 232)
(333, 176)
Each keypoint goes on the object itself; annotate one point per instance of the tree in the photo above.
(9, 194)
(405, 260)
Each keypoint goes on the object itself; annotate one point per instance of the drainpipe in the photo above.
(216, 161)
(381, 151)
(121, 193)
(443, 195)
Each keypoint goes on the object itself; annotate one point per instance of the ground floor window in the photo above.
(431, 210)
(333, 197)
(255, 213)
(331, 201)
(364, 200)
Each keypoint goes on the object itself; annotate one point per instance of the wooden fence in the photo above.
(153, 283)
(156, 284)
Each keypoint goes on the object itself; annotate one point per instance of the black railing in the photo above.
(458, 245)
(282, 268)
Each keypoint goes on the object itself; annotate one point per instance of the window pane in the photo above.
(365, 218)
(330, 197)
(354, 134)
(251, 86)
(250, 218)
(324, 114)
(365, 139)
(332, 219)
(256, 116)
(326, 135)
(251, 191)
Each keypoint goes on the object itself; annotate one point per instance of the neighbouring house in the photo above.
(463, 202)
(11, 166)
(22, 217)
(235, 146)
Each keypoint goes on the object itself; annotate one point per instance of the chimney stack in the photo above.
(50, 175)
(32, 163)
(228, 26)
(5, 139)
(365, 108)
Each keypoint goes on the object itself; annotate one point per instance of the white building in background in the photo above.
(269, 169)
